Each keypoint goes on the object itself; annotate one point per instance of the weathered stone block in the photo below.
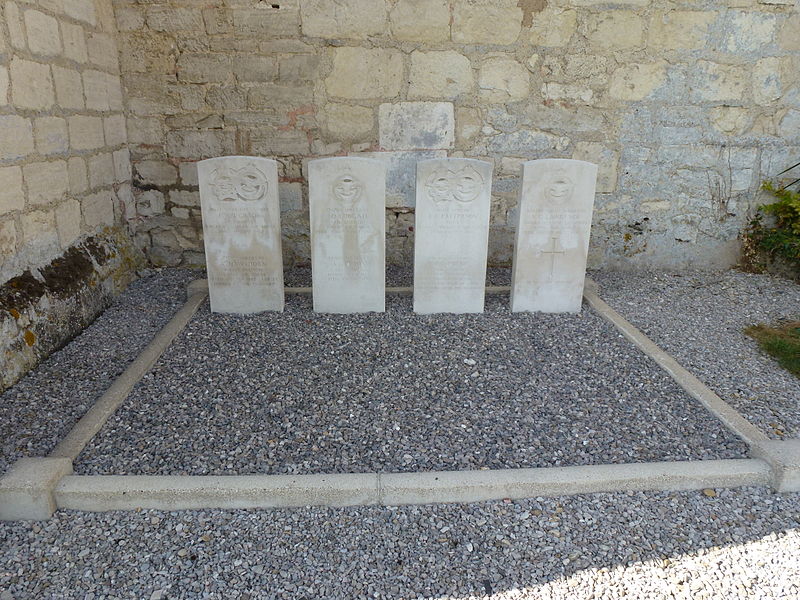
(185, 197)
(47, 182)
(129, 18)
(362, 73)
(16, 30)
(51, 135)
(750, 31)
(299, 67)
(445, 74)
(637, 81)
(204, 68)
(102, 51)
(85, 133)
(271, 142)
(605, 158)
(354, 19)
(162, 18)
(568, 94)
(401, 168)
(31, 84)
(8, 239)
(115, 130)
(616, 30)
(468, 123)
(39, 230)
(82, 10)
(787, 37)
(156, 172)
(43, 35)
(122, 165)
(200, 144)
(101, 170)
(95, 90)
(553, 27)
(4, 80)
(254, 68)
(503, 79)
(416, 125)
(526, 142)
(78, 180)
(149, 203)
(266, 23)
(16, 137)
(74, 42)
(12, 197)
(767, 80)
(680, 29)
(268, 95)
(486, 23)
(68, 222)
(69, 88)
(345, 122)
(420, 21)
(98, 209)
(716, 82)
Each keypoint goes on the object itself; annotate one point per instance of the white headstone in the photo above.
(348, 229)
(242, 233)
(552, 238)
(451, 235)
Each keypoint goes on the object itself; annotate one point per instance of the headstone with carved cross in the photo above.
(552, 239)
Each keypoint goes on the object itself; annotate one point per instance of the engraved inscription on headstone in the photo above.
(552, 238)
(348, 224)
(242, 233)
(452, 235)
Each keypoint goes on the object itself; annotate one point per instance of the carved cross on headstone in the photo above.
(552, 252)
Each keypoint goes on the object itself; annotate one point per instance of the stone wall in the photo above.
(65, 175)
(64, 163)
(686, 105)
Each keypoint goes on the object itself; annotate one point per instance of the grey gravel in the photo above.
(700, 317)
(300, 392)
(742, 543)
(44, 405)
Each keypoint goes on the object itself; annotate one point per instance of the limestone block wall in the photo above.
(686, 105)
(65, 175)
(64, 164)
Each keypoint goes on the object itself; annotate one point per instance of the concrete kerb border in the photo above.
(47, 483)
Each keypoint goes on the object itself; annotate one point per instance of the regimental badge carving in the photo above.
(248, 184)
(559, 187)
(347, 190)
(460, 185)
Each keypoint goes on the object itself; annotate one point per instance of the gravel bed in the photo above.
(44, 405)
(742, 543)
(699, 318)
(301, 392)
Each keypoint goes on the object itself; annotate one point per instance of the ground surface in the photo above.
(301, 392)
(741, 543)
(699, 318)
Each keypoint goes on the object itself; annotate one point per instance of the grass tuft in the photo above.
(781, 342)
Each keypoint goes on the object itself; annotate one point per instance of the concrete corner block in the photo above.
(27, 490)
(198, 286)
(783, 457)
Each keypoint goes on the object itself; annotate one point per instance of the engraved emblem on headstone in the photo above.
(241, 233)
(460, 185)
(248, 184)
(452, 232)
(347, 190)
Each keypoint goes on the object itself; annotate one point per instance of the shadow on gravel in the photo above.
(742, 543)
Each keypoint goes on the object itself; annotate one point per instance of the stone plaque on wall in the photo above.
(348, 224)
(552, 237)
(242, 233)
(451, 235)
